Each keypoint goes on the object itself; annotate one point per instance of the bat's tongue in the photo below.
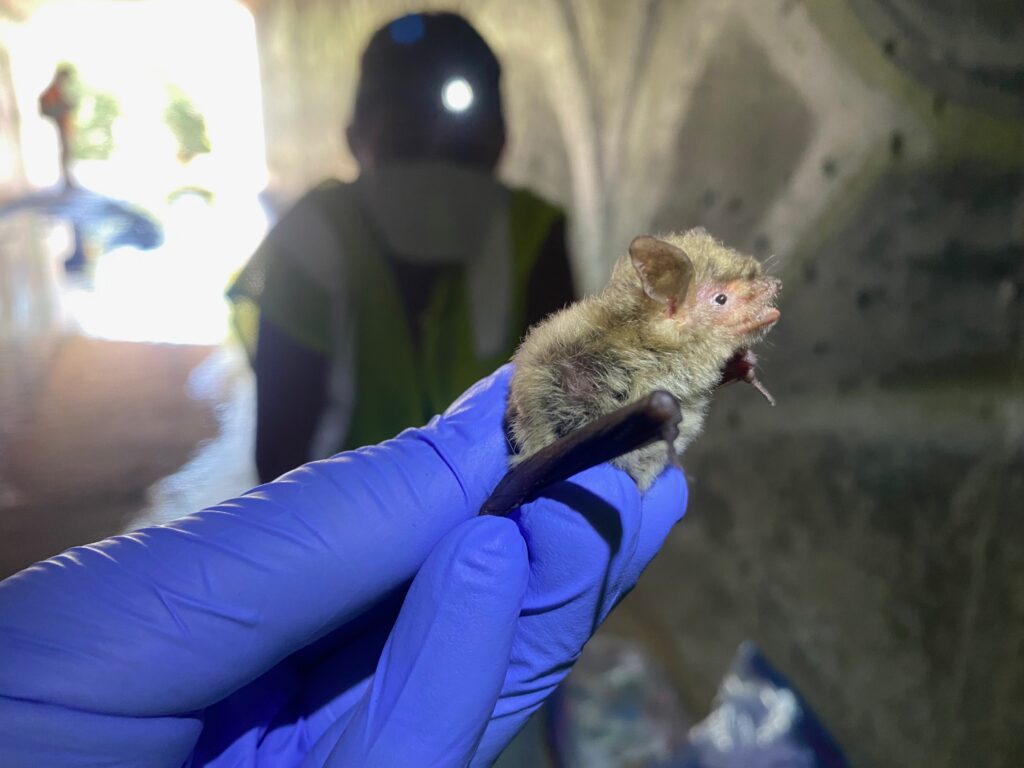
(740, 367)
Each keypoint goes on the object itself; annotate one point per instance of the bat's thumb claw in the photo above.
(761, 388)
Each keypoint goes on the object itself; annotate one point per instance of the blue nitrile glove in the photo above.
(263, 632)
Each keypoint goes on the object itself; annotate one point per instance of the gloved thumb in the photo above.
(445, 661)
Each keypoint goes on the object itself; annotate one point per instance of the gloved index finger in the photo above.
(173, 618)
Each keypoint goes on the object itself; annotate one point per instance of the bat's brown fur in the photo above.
(656, 325)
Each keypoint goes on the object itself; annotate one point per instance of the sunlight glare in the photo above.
(136, 51)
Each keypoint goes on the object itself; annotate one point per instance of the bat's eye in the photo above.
(721, 299)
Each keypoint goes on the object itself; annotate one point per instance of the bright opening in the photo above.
(185, 145)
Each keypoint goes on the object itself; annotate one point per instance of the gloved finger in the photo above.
(331, 691)
(330, 694)
(33, 734)
(173, 618)
(309, 692)
(663, 506)
(581, 535)
(445, 661)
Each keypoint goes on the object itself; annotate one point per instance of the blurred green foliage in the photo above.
(187, 125)
(93, 137)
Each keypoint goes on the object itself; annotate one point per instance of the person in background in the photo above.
(374, 303)
(58, 104)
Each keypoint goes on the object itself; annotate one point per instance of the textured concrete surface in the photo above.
(869, 542)
(973, 51)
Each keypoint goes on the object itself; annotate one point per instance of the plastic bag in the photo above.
(618, 710)
(758, 721)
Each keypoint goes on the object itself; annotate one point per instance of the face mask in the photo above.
(437, 213)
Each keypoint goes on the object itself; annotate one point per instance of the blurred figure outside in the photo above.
(371, 305)
(57, 103)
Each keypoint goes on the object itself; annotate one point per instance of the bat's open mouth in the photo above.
(766, 320)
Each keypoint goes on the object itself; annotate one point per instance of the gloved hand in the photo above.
(262, 631)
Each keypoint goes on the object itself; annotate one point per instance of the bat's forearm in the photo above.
(655, 417)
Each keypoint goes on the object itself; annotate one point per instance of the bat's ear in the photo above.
(665, 270)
